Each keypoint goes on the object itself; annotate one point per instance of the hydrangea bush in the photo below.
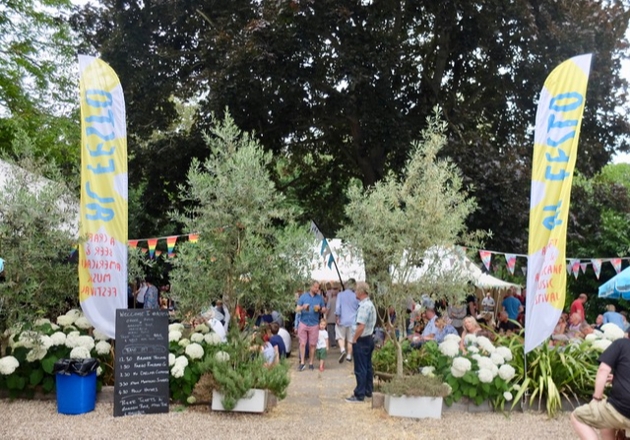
(481, 372)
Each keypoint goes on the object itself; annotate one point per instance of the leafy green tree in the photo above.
(37, 235)
(344, 86)
(250, 250)
(401, 222)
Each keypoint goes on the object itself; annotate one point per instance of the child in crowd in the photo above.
(322, 344)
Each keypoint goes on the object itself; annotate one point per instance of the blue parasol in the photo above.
(617, 286)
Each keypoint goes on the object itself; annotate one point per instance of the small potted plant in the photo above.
(418, 396)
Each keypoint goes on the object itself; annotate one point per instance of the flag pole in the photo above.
(315, 229)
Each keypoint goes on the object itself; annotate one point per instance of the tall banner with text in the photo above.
(103, 214)
(558, 121)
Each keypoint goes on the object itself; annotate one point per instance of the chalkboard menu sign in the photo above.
(141, 367)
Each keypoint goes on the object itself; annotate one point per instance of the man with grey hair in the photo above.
(363, 344)
(346, 312)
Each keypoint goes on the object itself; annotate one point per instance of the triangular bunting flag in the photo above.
(158, 253)
(315, 230)
(331, 260)
(132, 243)
(144, 250)
(575, 267)
(486, 257)
(170, 244)
(597, 266)
(583, 267)
(569, 266)
(524, 270)
(616, 262)
(193, 238)
(152, 244)
(510, 260)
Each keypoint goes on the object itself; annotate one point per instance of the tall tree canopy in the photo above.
(340, 88)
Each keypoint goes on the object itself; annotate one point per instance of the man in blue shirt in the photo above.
(614, 317)
(346, 312)
(363, 342)
(309, 306)
(511, 305)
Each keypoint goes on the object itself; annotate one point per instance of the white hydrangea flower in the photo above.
(178, 371)
(45, 341)
(36, 354)
(184, 342)
(28, 339)
(176, 327)
(457, 372)
(72, 340)
(506, 353)
(194, 351)
(473, 349)
(202, 328)
(470, 339)
(191, 400)
(508, 396)
(75, 313)
(601, 344)
(174, 335)
(461, 363)
(69, 329)
(99, 335)
(427, 371)
(506, 372)
(182, 361)
(41, 321)
(484, 362)
(82, 323)
(171, 359)
(65, 321)
(497, 359)
(86, 341)
(103, 347)
(99, 371)
(494, 370)
(452, 337)
(485, 344)
(222, 356)
(485, 375)
(449, 348)
(612, 332)
(80, 353)
(54, 326)
(591, 337)
(58, 338)
(8, 365)
(212, 338)
(196, 337)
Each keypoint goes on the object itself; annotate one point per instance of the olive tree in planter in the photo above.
(250, 250)
(409, 223)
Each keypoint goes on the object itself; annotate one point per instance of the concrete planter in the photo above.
(417, 407)
(256, 401)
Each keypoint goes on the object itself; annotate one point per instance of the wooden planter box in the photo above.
(414, 407)
(256, 402)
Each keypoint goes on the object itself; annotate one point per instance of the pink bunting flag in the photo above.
(575, 267)
(583, 266)
(616, 262)
(597, 266)
(510, 260)
(486, 257)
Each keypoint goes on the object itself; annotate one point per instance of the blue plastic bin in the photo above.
(76, 394)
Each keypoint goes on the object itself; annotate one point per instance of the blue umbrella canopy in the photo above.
(616, 287)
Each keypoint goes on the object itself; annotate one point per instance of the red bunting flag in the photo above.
(616, 262)
(144, 250)
(158, 253)
(132, 243)
(193, 238)
(510, 259)
(597, 266)
(152, 244)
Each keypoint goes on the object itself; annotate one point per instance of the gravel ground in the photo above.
(314, 409)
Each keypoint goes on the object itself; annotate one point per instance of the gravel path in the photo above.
(314, 409)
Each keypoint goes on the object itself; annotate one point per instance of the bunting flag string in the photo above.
(152, 245)
(597, 266)
(510, 260)
(486, 257)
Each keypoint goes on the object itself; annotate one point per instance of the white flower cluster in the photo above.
(196, 337)
(8, 365)
(612, 332)
(194, 351)
(485, 344)
(180, 364)
(449, 348)
(202, 328)
(75, 339)
(103, 347)
(176, 327)
(212, 338)
(171, 359)
(80, 352)
(452, 337)
(184, 342)
(601, 340)
(174, 335)
(99, 336)
(460, 366)
(82, 323)
(36, 354)
(428, 371)
(222, 356)
(57, 338)
(507, 372)
(69, 318)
